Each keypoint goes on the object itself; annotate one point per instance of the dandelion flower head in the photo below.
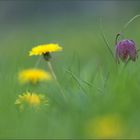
(33, 76)
(105, 127)
(31, 99)
(45, 48)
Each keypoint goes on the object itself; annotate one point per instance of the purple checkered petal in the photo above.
(126, 49)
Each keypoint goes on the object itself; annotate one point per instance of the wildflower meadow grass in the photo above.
(59, 80)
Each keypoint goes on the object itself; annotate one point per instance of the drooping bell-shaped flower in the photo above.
(125, 50)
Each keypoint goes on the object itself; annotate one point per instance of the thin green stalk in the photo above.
(77, 80)
(91, 85)
(51, 69)
(106, 42)
(55, 78)
(127, 24)
(79, 83)
(37, 62)
(130, 21)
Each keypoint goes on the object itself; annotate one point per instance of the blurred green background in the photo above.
(102, 100)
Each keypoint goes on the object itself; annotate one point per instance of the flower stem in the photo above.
(116, 40)
(106, 42)
(127, 23)
(52, 71)
(37, 62)
(130, 21)
(55, 78)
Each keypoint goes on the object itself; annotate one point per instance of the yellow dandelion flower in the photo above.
(33, 76)
(31, 99)
(104, 127)
(45, 48)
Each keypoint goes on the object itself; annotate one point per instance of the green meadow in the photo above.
(102, 98)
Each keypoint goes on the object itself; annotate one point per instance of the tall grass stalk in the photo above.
(55, 78)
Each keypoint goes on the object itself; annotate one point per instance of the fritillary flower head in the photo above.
(45, 50)
(31, 99)
(125, 50)
(33, 76)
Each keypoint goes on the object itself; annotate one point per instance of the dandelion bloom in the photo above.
(125, 50)
(31, 99)
(104, 127)
(44, 49)
(33, 76)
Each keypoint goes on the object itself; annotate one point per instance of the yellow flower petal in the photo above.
(109, 126)
(31, 99)
(33, 76)
(45, 48)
